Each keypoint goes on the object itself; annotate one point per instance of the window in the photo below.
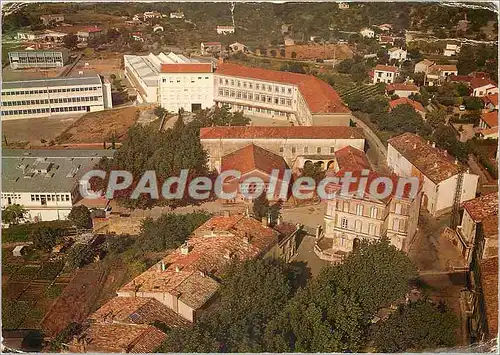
(289, 90)
(220, 81)
(282, 101)
(238, 83)
(281, 149)
(289, 102)
(269, 88)
(269, 99)
(276, 100)
(232, 82)
(343, 223)
(250, 85)
(306, 150)
(263, 98)
(227, 81)
(358, 226)
(395, 224)
(283, 89)
(32, 198)
(293, 150)
(277, 89)
(221, 92)
(233, 93)
(346, 206)
(238, 95)
(371, 229)
(373, 212)
(244, 84)
(332, 150)
(318, 150)
(359, 210)
(398, 208)
(250, 96)
(257, 86)
(67, 197)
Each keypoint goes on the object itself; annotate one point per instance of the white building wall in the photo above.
(380, 76)
(41, 206)
(183, 90)
(148, 93)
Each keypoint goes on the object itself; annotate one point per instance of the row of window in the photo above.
(52, 101)
(36, 60)
(250, 96)
(257, 109)
(15, 196)
(51, 91)
(180, 79)
(319, 150)
(44, 110)
(50, 197)
(397, 225)
(344, 206)
(262, 87)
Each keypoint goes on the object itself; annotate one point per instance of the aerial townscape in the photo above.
(249, 177)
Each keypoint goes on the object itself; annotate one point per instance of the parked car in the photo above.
(461, 108)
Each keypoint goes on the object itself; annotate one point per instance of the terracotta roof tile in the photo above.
(444, 67)
(401, 87)
(406, 101)
(320, 97)
(491, 99)
(386, 68)
(489, 284)
(186, 68)
(480, 82)
(482, 207)
(490, 118)
(490, 227)
(432, 162)
(290, 132)
(351, 158)
(252, 158)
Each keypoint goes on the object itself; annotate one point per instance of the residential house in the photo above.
(386, 40)
(397, 54)
(252, 161)
(490, 102)
(29, 35)
(417, 106)
(289, 142)
(288, 41)
(224, 30)
(384, 74)
(423, 66)
(210, 48)
(151, 14)
(488, 125)
(367, 32)
(286, 29)
(451, 50)
(52, 19)
(385, 27)
(188, 278)
(300, 98)
(238, 47)
(343, 5)
(89, 33)
(438, 74)
(402, 89)
(482, 87)
(442, 177)
(177, 14)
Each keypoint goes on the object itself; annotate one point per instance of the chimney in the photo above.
(279, 220)
(456, 161)
(202, 273)
(428, 142)
(162, 266)
(414, 145)
(177, 269)
(247, 238)
(185, 249)
(433, 144)
(227, 254)
(264, 221)
(445, 153)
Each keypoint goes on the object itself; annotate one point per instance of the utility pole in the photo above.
(231, 7)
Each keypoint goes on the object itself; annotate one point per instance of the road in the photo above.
(377, 151)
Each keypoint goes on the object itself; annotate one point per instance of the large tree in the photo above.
(80, 216)
(13, 214)
(70, 41)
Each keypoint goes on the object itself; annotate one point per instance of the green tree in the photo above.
(81, 217)
(445, 138)
(13, 214)
(416, 327)
(159, 111)
(315, 171)
(79, 255)
(260, 207)
(70, 41)
(46, 238)
(436, 117)
(473, 103)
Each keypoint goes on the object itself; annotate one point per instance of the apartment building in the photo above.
(37, 59)
(384, 74)
(303, 99)
(46, 182)
(291, 143)
(47, 97)
(441, 175)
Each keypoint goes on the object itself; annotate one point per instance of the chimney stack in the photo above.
(185, 248)
(456, 161)
(433, 144)
(279, 220)
(247, 238)
(177, 269)
(227, 254)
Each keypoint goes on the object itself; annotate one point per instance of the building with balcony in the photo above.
(441, 175)
(37, 59)
(57, 96)
(384, 74)
(291, 143)
(303, 99)
(46, 182)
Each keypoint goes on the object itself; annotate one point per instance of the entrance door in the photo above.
(195, 107)
(425, 202)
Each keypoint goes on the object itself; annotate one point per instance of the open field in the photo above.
(97, 127)
(9, 74)
(105, 65)
(315, 51)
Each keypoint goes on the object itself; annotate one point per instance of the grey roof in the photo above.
(47, 170)
(54, 82)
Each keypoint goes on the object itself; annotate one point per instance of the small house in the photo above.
(19, 250)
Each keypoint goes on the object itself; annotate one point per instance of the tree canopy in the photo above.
(80, 216)
(13, 214)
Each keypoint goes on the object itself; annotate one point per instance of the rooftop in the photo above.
(490, 118)
(320, 97)
(132, 338)
(211, 247)
(281, 132)
(187, 68)
(401, 87)
(136, 310)
(386, 68)
(480, 82)
(406, 101)
(55, 82)
(491, 99)
(489, 284)
(350, 158)
(482, 207)
(46, 170)
(253, 157)
(432, 162)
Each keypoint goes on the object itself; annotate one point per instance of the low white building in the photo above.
(367, 32)
(47, 97)
(439, 173)
(224, 30)
(437, 74)
(343, 5)
(402, 89)
(151, 14)
(177, 14)
(398, 54)
(238, 47)
(451, 50)
(423, 66)
(37, 59)
(46, 182)
(483, 87)
(384, 74)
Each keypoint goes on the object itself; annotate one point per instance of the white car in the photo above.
(461, 108)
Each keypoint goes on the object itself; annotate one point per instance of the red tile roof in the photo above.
(490, 118)
(387, 68)
(211, 43)
(480, 82)
(350, 158)
(432, 162)
(320, 97)
(460, 78)
(401, 87)
(252, 158)
(284, 132)
(491, 99)
(482, 207)
(187, 68)
(212, 246)
(479, 74)
(489, 285)
(93, 29)
(406, 101)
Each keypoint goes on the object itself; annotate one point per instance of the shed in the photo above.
(19, 250)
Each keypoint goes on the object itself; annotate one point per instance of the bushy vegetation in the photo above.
(26, 232)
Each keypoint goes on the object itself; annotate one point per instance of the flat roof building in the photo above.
(46, 182)
(47, 97)
(37, 59)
